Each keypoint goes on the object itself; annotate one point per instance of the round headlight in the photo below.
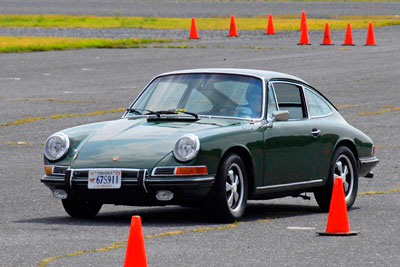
(187, 147)
(56, 146)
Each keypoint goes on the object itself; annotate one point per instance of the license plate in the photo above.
(104, 179)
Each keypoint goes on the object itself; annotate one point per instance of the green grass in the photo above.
(12, 44)
(281, 22)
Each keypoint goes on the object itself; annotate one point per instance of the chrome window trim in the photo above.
(290, 184)
(323, 100)
(301, 92)
(209, 72)
(200, 115)
(271, 87)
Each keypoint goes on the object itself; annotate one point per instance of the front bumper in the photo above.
(137, 187)
(366, 165)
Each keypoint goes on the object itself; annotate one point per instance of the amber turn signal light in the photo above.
(48, 169)
(191, 170)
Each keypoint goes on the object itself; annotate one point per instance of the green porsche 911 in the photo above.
(210, 137)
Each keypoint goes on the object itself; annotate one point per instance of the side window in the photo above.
(316, 106)
(290, 98)
(271, 103)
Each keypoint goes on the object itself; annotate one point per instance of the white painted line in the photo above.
(10, 78)
(300, 228)
(46, 74)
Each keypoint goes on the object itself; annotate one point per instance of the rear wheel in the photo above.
(343, 165)
(81, 209)
(230, 189)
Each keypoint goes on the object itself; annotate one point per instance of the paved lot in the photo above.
(188, 8)
(33, 226)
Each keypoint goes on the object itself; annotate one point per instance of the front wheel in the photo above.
(343, 165)
(230, 189)
(80, 208)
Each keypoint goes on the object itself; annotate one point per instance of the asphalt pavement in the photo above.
(281, 232)
(189, 8)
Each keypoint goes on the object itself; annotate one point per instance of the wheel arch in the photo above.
(349, 144)
(247, 159)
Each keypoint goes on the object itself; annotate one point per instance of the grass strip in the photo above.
(381, 111)
(12, 44)
(60, 116)
(281, 22)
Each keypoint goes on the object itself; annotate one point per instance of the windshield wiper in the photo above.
(158, 113)
(136, 111)
(191, 113)
(177, 111)
(149, 112)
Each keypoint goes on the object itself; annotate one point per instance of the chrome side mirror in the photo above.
(282, 115)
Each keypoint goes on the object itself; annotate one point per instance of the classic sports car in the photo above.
(210, 137)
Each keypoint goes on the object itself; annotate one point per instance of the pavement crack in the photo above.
(122, 244)
(378, 192)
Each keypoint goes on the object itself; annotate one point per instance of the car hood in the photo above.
(137, 143)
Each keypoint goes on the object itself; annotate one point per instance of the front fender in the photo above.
(215, 144)
(77, 136)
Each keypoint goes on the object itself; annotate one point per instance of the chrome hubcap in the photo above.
(344, 169)
(234, 187)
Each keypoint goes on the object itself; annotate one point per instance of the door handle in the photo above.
(315, 132)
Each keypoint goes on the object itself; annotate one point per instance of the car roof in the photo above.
(267, 75)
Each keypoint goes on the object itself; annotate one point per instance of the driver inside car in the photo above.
(254, 100)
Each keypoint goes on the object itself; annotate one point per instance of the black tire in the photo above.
(343, 163)
(229, 196)
(81, 209)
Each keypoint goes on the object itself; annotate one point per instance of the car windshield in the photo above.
(225, 95)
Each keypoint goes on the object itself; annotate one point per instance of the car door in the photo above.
(319, 112)
(290, 147)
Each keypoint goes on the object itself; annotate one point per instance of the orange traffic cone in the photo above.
(135, 251)
(349, 37)
(338, 221)
(370, 35)
(303, 19)
(270, 27)
(193, 30)
(327, 36)
(304, 35)
(232, 30)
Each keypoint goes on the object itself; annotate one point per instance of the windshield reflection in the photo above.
(226, 95)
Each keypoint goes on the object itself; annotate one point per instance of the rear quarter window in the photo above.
(316, 106)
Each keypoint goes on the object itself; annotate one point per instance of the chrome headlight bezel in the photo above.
(187, 140)
(65, 146)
